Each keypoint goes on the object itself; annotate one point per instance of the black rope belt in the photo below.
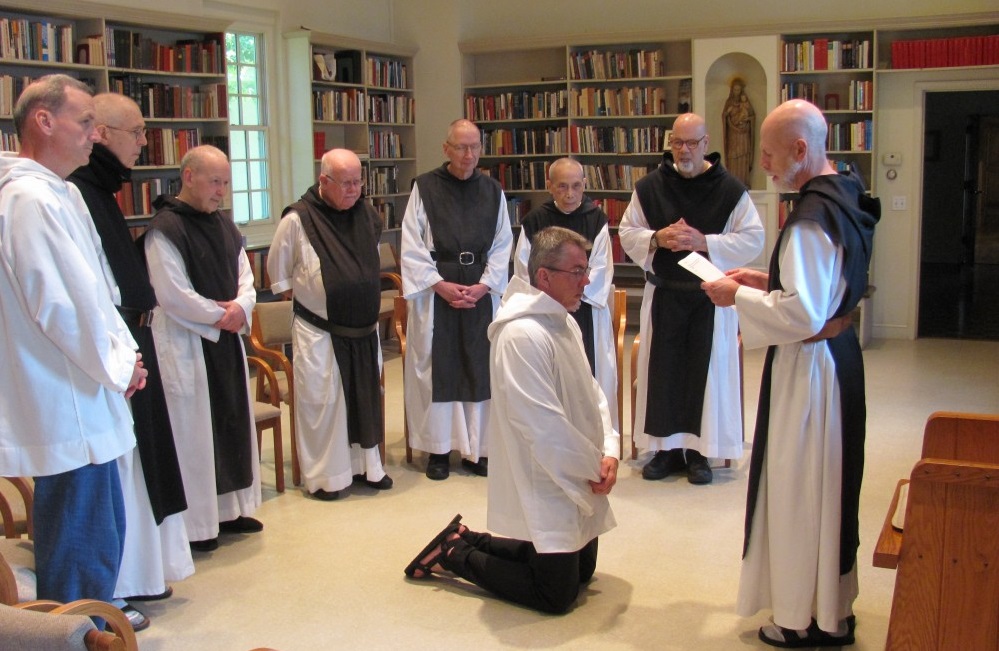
(323, 324)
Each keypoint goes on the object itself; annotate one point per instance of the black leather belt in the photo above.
(135, 317)
(465, 257)
(677, 285)
(324, 324)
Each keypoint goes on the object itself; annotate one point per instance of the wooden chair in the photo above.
(16, 500)
(399, 317)
(269, 335)
(267, 414)
(51, 626)
(619, 321)
(634, 395)
(391, 287)
(947, 553)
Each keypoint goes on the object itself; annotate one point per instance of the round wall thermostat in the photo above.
(891, 174)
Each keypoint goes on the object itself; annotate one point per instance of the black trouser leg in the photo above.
(514, 570)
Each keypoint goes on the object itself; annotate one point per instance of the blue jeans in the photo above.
(79, 533)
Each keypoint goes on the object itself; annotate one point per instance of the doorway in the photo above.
(959, 275)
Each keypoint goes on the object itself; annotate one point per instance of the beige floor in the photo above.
(329, 575)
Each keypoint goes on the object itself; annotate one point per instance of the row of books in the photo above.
(946, 52)
(859, 97)
(826, 54)
(166, 147)
(346, 105)
(384, 179)
(615, 64)
(519, 105)
(391, 109)
(354, 105)
(386, 210)
(36, 40)
(517, 208)
(616, 140)
(385, 144)
(160, 100)
(640, 100)
(614, 208)
(618, 178)
(518, 175)
(617, 251)
(850, 136)
(136, 197)
(9, 141)
(525, 141)
(126, 48)
(388, 73)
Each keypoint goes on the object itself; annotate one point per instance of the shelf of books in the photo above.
(363, 101)
(607, 105)
(176, 76)
(836, 73)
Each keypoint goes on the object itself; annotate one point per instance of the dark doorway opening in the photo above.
(959, 273)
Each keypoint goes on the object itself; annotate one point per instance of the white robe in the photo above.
(439, 427)
(152, 555)
(721, 418)
(792, 563)
(597, 295)
(66, 357)
(327, 458)
(551, 427)
(180, 320)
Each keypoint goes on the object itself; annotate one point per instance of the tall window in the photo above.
(248, 128)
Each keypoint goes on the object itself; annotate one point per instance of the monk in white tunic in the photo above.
(554, 449)
(325, 257)
(687, 408)
(456, 244)
(570, 208)
(204, 287)
(67, 359)
(800, 556)
(156, 545)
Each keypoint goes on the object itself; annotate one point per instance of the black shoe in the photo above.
(326, 496)
(438, 467)
(154, 597)
(209, 545)
(663, 464)
(242, 524)
(382, 484)
(698, 469)
(480, 467)
(138, 621)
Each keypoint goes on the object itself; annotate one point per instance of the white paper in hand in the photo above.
(701, 267)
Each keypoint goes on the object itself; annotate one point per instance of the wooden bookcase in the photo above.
(608, 105)
(836, 73)
(362, 100)
(175, 74)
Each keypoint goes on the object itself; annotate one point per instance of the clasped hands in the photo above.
(678, 236)
(234, 318)
(460, 296)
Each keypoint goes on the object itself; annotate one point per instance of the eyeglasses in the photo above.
(677, 145)
(137, 132)
(346, 185)
(465, 149)
(577, 273)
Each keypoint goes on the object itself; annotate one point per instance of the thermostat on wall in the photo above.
(892, 158)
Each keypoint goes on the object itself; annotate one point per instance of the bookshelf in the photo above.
(362, 100)
(608, 105)
(836, 72)
(175, 74)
